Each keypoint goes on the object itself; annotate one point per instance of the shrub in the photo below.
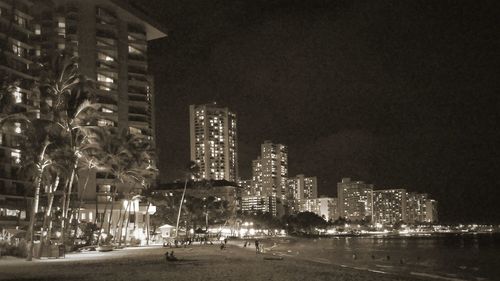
(9, 249)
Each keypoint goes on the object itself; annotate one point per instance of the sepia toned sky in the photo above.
(402, 94)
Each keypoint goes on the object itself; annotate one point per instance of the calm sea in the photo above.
(450, 256)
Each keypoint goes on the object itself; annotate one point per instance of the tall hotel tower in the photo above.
(110, 39)
(274, 167)
(214, 142)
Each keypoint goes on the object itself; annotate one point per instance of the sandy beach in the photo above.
(195, 263)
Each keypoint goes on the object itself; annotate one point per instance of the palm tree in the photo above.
(65, 106)
(126, 158)
(191, 172)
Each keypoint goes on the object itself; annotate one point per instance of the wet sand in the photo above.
(195, 263)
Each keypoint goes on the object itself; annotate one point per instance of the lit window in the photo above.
(16, 156)
(105, 123)
(106, 110)
(104, 78)
(61, 46)
(18, 50)
(104, 57)
(20, 20)
(133, 50)
(134, 130)
(61, 23)
(105, 88)
(17, 127)
(38, 30)
(18, 96)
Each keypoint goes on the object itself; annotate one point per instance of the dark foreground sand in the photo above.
(196, 263)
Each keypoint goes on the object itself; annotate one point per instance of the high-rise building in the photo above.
(246, 187)
(432, 211)
(274, 162)
(389, 206)
(327, 207)
(355, 199)
(255, 204)
(214, 143)
(257, 177)
(17, 53)
(301, 187)
(109, 37)
(416, 207)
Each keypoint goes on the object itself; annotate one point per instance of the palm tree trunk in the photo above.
(118, 235)
(126, 227)
(102, 221)
(111, 212)
(34, 210)
(70, 187)
(65, 193)
(121, 225)
(81, 201)
(147, 225)
(36, 199)
(180, 208)
(48, 216)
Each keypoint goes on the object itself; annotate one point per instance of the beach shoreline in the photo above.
(197, 262)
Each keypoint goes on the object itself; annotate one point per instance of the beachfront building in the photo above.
(214, 143)
(354, 200)
(431, 211)
(274, 161)
(109, 38)
(327, 208)
(301, 187)
(256, 188)
(18, 51)
(389, 206)
(416, 207)
(246, 187)
(259, 204)
(269, 178)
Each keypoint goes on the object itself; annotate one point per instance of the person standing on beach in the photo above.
(257, 249)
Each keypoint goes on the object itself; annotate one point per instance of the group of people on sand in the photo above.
(186, 242)
(259, 247)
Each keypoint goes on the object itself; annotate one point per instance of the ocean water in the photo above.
(449, 256)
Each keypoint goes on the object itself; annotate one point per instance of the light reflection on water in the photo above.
(465, 255)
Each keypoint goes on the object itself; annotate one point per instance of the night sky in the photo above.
(401, 94)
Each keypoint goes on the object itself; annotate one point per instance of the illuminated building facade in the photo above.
(255, 204)
(432, 211)
(389, 206)
(327, 207)
(214, 143)
(355, 199)
(256, 177)
(274, 162)
(246, 187)
(109, 37)
(18, 51)
(301, 187)
(416, 207)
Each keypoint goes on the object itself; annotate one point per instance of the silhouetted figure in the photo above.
(401, 261)
(225, 241)
(388, 257)
(245, 245)
(373, 257)
(170, 257)
(222, 246)
(257, 249)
